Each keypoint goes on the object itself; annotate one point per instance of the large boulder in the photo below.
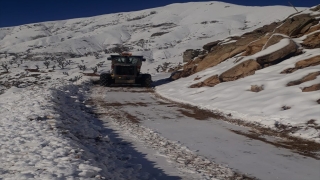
(241, 70)
(293, 26)
(278, 55)
(262, 43)
(211, 81)
(255, 46)
(274, 39)
(312, 41)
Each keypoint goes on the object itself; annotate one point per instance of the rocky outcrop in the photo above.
(219, 51)
(262, 43)
(241, 70)
(317, 8)
(296, 25)
(280, 54)
(306, 78)
(219, 54)
(255, 46)
(190, 54)
(210, 45)
(312, 41)
(313, 61)
(314, 87)
(274, 39)
(211, 81)
(252, 43)
(313, 29)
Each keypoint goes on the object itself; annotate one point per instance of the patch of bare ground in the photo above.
(115, 114)
(314, 87)
(196, 113)
(306, 78)
(306, 148)
(131, 89)
(282, 132)
(318, 101)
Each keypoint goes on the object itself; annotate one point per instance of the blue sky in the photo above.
(17, 12)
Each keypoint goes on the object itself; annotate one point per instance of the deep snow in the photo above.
(46, 131)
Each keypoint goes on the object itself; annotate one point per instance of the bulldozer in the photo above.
(125, 70)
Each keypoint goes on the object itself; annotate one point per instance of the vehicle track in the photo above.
(170, 128)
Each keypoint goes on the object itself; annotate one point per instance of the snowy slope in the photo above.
(188, 25)
(277, 104)
(35, 108)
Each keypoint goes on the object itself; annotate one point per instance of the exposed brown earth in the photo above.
(306, 78)
(306, 148)
(315, 87)
(313, 61)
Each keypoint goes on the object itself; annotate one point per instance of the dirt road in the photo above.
(181, 134)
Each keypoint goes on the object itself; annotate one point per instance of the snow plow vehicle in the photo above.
(125, 70)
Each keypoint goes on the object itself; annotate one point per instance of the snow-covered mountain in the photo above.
(44, 67)
(162, 35)
(163, 32)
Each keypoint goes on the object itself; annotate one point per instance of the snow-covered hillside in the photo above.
(44, 67)
(162, 34)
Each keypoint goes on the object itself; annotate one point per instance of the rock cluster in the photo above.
(263, 47)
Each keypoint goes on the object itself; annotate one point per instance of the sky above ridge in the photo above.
(18, 12)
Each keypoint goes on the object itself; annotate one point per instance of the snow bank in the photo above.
(47, 133)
